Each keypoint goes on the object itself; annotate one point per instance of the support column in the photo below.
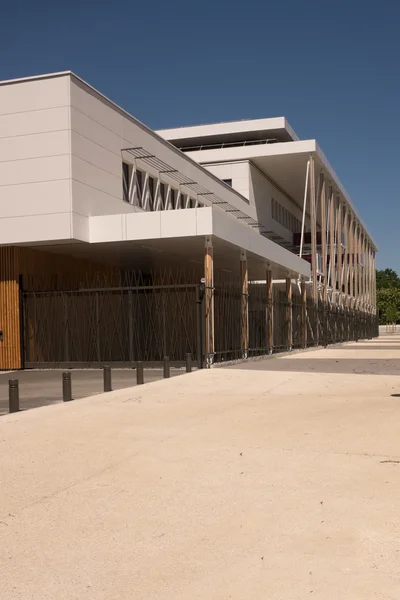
(346, 258)
(365, 271)
(270, 331)
(244, 304)
(360, 272)
(323, 240)
(303, 314)
(10, 326)
(356, 268)
(313, 218)
(332, 258)
(339, 249)
(209, 301)
(289, 312)
(351, 260)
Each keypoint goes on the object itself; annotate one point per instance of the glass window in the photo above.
(125, 181)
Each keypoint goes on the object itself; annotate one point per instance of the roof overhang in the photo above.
(256, 129)
(285, 164)
(181, 233)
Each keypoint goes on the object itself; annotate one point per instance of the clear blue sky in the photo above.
(332, 68)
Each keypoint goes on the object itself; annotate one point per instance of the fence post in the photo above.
(107, 379)
(13, 395)
(289, 312)
(244, 304)
(188, 362)
(66, 386)
(200, 291)
(270, 334)
(303, 314)
(139, 373)
(166, 367)
(209, 297)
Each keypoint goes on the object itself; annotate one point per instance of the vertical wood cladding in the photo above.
(40, 271)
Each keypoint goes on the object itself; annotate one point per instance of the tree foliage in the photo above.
(388, 296)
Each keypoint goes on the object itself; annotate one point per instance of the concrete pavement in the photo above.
(41, 387)
(264, 480)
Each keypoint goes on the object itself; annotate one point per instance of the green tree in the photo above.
(388, 296)
(387, 279)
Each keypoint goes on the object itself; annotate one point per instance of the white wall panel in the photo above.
(89, 103)
(36, 145)
(38, 228)
(96, 178)
(34, 95)
(97, 155)
(34, 169)
(38, 121)
(28, 199)
(94, 131)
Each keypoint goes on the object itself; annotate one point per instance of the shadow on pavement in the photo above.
(43, 387)
(373, 366)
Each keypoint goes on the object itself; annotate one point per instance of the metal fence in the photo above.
(293, 325)
(110, 325)
(146, 321)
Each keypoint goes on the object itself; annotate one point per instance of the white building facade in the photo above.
(84, 183)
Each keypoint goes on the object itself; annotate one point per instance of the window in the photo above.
(125, 181)
(228, 181)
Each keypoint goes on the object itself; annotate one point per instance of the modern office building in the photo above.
(299, 201)
(108, 228)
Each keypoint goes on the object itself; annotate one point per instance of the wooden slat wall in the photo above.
(40, 270)
(10, 347)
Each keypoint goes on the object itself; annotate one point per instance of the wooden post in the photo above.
(365, 271)
(289, 312)
(313, 218)
(244, 304)
(339, 249)
(356, 266)
(346, 257)
(270, 331)
(303, 314)
(351, 260)
(360, 271)
(209, 301)
(332, 257)
(323, 239)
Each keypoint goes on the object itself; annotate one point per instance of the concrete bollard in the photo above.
(66, 386)
(166, 367)
(107, 379)
(188, 362)
(139, 373)
(13, 395)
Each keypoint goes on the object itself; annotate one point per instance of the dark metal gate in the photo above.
(118, 325)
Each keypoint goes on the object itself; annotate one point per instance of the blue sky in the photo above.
(332, 68)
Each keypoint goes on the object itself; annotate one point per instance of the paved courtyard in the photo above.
(275, 479)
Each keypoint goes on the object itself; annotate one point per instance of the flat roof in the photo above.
(255, 129)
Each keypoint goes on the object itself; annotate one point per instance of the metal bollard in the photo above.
(107, 379)
(166, 367)
(66, 386)
(188, 362)
(139, 373)
(13, 395)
